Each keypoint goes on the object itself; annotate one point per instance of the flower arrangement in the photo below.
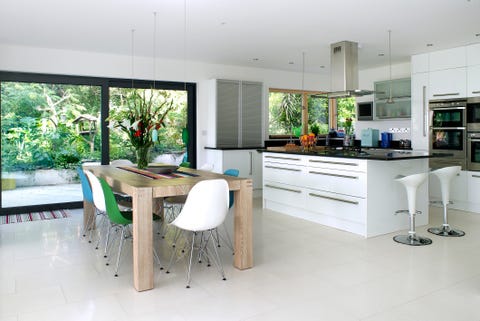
(348, 126)
(308, 141)
(141, 121)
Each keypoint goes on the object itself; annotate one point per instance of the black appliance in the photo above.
(365, 110)
(448, 132)
(473, 114)
(473, 152)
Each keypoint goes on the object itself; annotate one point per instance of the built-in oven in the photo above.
(448, 132)
(473, 114)
(473, 151)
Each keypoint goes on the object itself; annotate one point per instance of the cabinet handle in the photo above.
(283, 188)
(476, 92)
(284, 168)
(476, 176)
(286, 158)
(447, 94)
(335, 163)
(334, 175)
(424, 93)
(251, 163)
(334, 198)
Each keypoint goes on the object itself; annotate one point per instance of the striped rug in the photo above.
(35, 216)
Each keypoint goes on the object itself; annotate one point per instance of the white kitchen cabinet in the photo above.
(420, 115)
(448, 59)
(238, 108)
(473, 183)
(458, 188)
(247, 161)
(473, 81)
(473, 54)
(354, 195)
(419, 63)
(449, 83)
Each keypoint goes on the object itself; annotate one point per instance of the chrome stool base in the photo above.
(412, 240)
(446, 231)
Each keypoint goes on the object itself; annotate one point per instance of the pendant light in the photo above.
(390, 99)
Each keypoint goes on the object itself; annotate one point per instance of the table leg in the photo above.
(142, 239)
(243, 222)
(88, 215)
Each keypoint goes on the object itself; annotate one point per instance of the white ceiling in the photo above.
(234, 32)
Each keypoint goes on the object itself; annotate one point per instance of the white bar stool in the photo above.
(411, 183)
(445, 175)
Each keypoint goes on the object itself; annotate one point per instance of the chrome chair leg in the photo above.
(190, 261)
(120, 247)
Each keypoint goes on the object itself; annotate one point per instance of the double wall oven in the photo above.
(473, 134)
(448, 132)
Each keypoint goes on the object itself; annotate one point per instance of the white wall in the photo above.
(69, 62)
(367, 78)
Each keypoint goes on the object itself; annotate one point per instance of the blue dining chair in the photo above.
(230, 172)
(87, 197)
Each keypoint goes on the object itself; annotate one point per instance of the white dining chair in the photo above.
(204, 210)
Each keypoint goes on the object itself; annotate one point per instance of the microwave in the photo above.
(365, 110)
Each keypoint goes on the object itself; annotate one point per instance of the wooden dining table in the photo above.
(147, 195)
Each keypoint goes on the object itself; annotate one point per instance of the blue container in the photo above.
(386, 139)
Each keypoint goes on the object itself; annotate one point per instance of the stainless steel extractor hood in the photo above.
(344, 70)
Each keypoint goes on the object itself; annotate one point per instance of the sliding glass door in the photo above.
(51, 124)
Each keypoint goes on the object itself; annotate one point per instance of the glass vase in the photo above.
(143, 153)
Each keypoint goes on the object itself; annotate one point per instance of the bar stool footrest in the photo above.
(407, 212)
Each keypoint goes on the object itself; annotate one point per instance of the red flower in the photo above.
(138, 133)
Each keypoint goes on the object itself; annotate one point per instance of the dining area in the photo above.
(148, 188)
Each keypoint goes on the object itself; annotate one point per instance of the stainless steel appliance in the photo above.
(473, 151)
(448, 132)
(473, 114)
(365, 110)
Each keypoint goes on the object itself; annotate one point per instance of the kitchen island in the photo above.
(350, 190)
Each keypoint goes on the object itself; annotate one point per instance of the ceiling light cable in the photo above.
(154, 48)
(133, 54)
(390, 99)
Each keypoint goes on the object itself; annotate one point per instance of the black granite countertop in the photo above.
(368, 154)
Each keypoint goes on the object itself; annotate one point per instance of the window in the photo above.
(285, 112)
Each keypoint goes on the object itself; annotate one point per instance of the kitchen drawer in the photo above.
(336, 181)
(283, 193)
(339, 206)
(338, 163)
(290, 159)
(285, 173)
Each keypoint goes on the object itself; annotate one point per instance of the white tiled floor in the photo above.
(303, 271)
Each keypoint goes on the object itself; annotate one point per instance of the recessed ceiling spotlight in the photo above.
(477, 35)
(290, 63)
(429, 44)
(381, 54)
(322, 66)
(223, 23)
(255, 59)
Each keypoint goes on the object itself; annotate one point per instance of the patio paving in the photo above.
(35, 195)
